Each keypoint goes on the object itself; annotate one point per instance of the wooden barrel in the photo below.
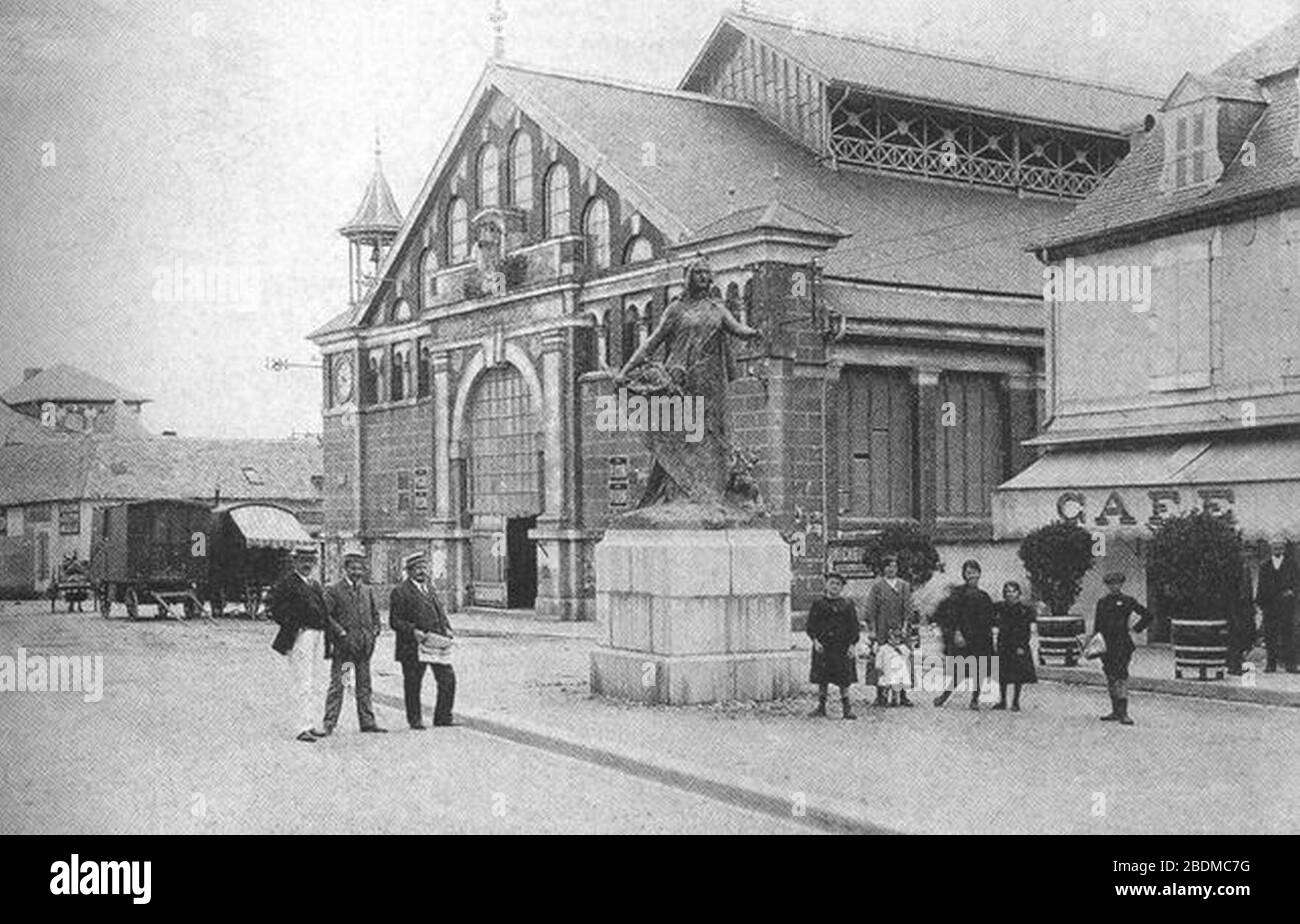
(1058, 637)
(1200, 645)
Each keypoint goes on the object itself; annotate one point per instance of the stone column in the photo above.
(927, 432)
(559, 543)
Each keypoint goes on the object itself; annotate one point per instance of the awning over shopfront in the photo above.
(1126, 491)
(263, 526)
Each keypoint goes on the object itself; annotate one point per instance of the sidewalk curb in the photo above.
(820, 812)
(1079, 676)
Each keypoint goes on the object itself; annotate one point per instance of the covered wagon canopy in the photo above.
(268, 527)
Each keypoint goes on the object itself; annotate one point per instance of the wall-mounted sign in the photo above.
(1117, 505)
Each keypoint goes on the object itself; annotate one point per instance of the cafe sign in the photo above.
(1123, 507)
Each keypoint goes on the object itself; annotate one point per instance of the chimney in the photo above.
(31, 372)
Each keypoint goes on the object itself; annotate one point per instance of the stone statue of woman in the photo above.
(687, 356)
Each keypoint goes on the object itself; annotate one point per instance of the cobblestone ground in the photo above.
(188, 738)
(189, 720)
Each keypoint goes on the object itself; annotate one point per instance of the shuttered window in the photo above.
(971, 443)
(879, 443)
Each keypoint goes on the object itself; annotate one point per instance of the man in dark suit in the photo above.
(423, 640)
(1276, 596)
(297, 603)
(353, 625)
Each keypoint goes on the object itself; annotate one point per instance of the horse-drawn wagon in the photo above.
(151, 552)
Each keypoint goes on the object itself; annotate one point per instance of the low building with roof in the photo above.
(861, 202)
(54, 472)
(1173, 336)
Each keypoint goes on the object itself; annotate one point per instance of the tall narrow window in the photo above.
(457, 231)
(400, 385)
(595, 228)
(489, 177)
(557, 201)
(521, 170)
(424, 370)
(428, 278)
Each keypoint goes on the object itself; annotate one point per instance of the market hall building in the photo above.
(864, 204)
(1188, 397)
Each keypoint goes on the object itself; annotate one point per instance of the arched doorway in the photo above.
(503, 488)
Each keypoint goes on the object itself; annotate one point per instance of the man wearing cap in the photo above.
(1111, 621)
(352, 619)
(297, 603)
(421, 626)
(1276, 596)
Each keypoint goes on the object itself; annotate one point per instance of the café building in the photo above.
(1173, 358)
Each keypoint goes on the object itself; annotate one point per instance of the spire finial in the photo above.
(498, 18)
(378, 149)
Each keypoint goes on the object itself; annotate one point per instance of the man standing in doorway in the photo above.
(297, 603)
(1276, 596)
(423, 640)
(353, 620)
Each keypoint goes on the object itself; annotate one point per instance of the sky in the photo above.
(138, 138)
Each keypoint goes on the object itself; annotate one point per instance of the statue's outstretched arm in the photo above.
(737, 329)
(650, 344)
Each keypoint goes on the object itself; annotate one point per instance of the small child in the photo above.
(892, 666)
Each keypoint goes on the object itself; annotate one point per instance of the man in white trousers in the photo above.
(297, 603)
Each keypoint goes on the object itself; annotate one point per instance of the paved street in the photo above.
(188, 737)
(185, 740)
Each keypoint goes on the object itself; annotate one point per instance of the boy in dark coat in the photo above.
(1111, 621)
(833, 628)
(1013, 618)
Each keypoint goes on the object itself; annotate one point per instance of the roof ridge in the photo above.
(897, 45)
(588, 77)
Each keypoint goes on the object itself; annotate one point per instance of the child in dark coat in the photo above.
(833, 628)
(1015, 663)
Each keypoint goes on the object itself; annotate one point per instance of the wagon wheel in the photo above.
(132, 602)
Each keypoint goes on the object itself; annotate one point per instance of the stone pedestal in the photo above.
(694, 616)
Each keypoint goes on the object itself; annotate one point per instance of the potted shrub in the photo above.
(1194, 564)
(1056, 558)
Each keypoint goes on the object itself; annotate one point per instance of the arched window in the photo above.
(521, 170)
(401, 377)
(457, 231)
(428, 278)
(595, 228)
(489, 177)
(638, 250)
(424, 371)
(372, 383)
(557, 201)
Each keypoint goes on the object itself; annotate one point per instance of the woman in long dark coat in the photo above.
(834, 630)
(968, 612)
(1015, 663)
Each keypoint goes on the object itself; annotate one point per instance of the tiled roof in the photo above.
(961, 83)
(714, 158)
(1274, 53)
(378, 209)
(1130, 197)
(114, 468)
(775, 215)
(19, 428)
(66, 383)
(340, 321)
